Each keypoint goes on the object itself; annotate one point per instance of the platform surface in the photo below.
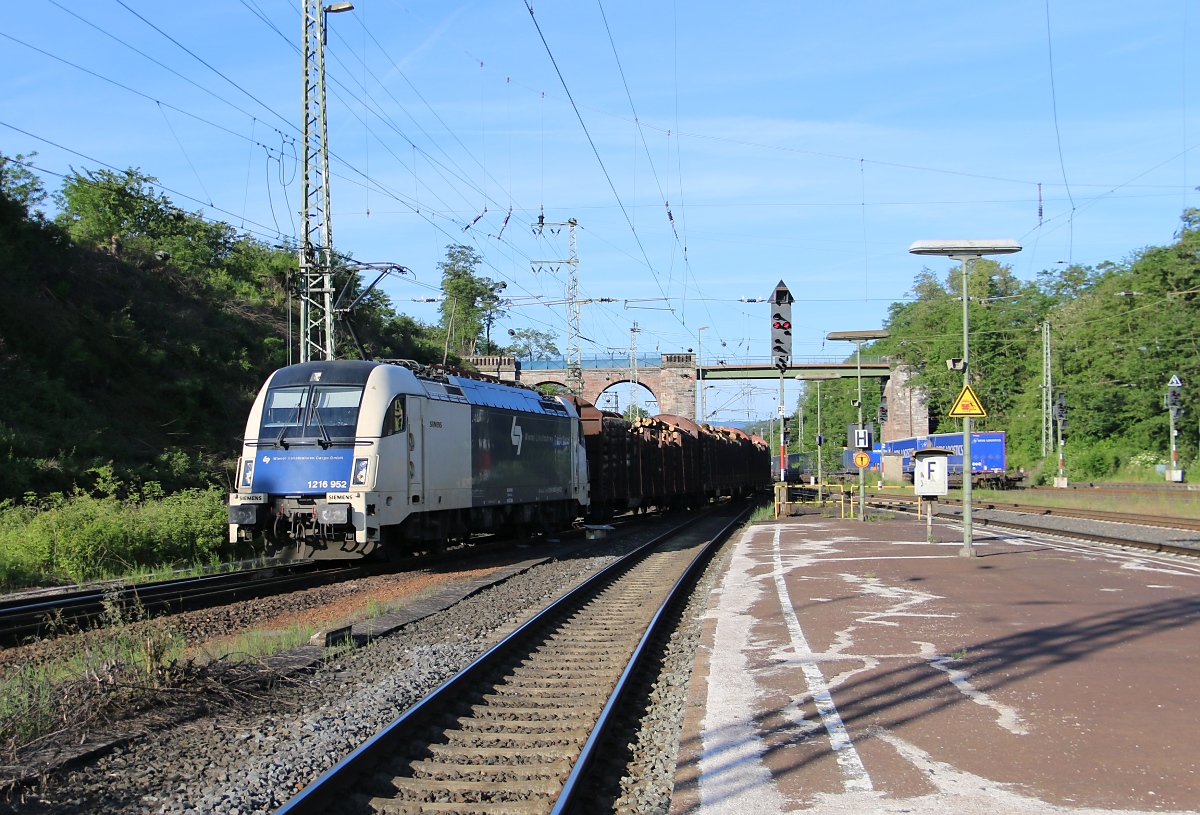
(851, 667)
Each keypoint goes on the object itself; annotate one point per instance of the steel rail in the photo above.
(568, 799)
(1138, 519)
(318, 796)
(1114, 486)
(1171, 548)
(22, 618)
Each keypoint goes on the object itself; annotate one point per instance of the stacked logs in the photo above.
(666, 461)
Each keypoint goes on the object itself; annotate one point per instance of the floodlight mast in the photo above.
(962, 251)
(858, 338)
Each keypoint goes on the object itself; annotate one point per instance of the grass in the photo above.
(763, 512)
(256, 644)
(65, 539)
(103, 670)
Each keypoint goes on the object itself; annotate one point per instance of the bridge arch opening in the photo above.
(616, 397)
(551, 386)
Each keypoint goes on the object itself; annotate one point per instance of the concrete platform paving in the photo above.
(857, 667)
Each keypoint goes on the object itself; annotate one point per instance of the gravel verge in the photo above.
(253, 756)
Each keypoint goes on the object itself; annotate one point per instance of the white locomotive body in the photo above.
(341, 458)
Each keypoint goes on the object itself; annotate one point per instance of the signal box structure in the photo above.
(931, 472)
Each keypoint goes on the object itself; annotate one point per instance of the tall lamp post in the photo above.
(962, 251)
(700, 370)
(858, 338)
(819, 378)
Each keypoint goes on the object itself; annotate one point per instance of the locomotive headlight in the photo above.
(359, 478)
(247, 472)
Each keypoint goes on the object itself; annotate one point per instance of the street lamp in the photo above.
(700, 369)
(332, 8)
(858, 338)
(818, 378)
(962, 251)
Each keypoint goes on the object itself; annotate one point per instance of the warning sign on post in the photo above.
(967, 406)
(862, 460)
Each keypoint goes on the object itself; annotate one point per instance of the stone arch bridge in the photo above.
(673, 379)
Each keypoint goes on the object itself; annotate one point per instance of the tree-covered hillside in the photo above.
(1118, 332)
(133, 335)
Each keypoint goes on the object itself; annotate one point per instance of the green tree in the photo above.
(97, 204)
(20, 184)
(472, 303)
(532, 344)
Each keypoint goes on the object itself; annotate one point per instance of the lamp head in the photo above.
(965, 249)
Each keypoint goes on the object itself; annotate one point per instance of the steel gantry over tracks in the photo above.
(833, 369)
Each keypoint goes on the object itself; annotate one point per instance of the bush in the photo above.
(83, 537)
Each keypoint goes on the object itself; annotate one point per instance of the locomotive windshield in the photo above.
(327, 413)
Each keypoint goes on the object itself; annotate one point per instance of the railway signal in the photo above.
(1060, 413)
(882, 414)
(781, 326)
(1174, 404)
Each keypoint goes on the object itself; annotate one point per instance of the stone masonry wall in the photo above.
(673, 384)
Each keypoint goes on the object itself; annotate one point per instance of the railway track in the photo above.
(516, 732)
(1166, 521)
(28, 616)
(24, 617)
(1104, 486)
(1031, 513)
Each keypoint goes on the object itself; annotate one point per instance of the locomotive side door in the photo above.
(416, 450)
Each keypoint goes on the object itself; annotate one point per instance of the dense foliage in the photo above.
(1119, 331)
(133, 335)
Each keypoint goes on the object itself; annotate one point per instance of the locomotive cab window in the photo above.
(393, 420)
(327, 413)
(284, 411)
(334, 412)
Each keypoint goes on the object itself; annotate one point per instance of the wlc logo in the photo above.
(517, 435)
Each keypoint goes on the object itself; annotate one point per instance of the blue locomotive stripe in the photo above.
(302, 472)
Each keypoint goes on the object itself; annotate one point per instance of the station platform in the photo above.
(851, 667)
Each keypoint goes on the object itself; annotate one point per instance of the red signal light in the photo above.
(785, 325)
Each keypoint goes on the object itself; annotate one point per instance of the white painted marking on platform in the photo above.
(854, 774)
(888, 557)
(1006, 716)
(958, 791)
(733, 777)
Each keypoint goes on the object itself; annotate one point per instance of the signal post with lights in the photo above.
(781, 353)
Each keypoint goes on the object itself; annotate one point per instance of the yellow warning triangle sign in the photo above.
(967, 406)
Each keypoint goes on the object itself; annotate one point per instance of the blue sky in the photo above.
(808, 142)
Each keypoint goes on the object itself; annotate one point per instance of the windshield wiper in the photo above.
(279, 442)
(326, 441)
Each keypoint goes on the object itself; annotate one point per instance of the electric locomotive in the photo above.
(342, 458)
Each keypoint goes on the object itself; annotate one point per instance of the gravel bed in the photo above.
(1068, 526)
(253, 759)
(639, 773)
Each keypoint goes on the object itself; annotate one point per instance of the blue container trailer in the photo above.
(988, 452)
